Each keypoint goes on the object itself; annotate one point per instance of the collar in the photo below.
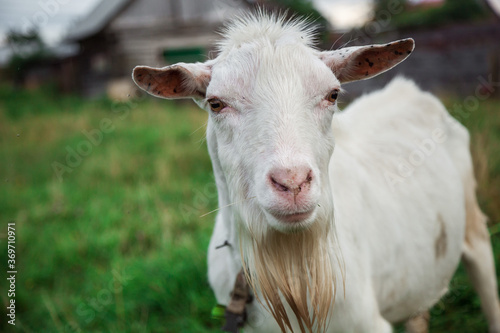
(235, 312)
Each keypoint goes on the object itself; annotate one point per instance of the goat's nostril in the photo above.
(278, 185)
(309, 177)
(291, 180)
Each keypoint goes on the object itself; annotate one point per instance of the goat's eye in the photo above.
(332, 96)
(216, 104)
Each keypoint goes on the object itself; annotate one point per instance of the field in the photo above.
(106, 199)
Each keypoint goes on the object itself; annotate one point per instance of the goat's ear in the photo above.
(363, 62)
(177, 81)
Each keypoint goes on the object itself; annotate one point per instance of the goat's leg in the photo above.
(418, 323)
(384, 326)
(362, 309)
(479, 263)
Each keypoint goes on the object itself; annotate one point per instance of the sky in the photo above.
(344, 14)
(54, 16)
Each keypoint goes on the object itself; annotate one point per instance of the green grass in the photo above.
(118, 245)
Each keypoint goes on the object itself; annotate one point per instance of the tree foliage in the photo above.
(28, 50)
(452, 11)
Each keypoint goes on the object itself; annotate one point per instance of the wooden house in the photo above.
(120, 34)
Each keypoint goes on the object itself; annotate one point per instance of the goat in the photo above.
(350, 241)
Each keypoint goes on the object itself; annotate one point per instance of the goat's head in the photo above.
(271, 97)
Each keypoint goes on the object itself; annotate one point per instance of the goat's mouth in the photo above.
(293, 218)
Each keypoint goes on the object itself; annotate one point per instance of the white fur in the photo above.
(386, 233)
(389, 174)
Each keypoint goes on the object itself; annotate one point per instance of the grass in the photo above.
(117, 245)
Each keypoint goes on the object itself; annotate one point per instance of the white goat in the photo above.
(357, 229)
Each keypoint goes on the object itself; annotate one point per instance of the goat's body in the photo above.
(398, 175)
(408, 227)
(390, 213)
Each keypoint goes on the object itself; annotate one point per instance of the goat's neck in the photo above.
(225, 214)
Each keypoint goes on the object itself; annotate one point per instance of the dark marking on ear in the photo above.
(408, 52)
(359, 63)
(366, 74)
(389, 44)
(369, 62)
(175, 90)
(149, 85)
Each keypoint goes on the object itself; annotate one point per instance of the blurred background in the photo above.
(106, 185)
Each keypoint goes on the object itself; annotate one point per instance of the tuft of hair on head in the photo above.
(263, 25)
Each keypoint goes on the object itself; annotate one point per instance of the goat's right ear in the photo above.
(177, 81)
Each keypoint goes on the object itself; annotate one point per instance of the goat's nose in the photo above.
(291, 180)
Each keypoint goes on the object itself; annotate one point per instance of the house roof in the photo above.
(101, 15)
(107, 10)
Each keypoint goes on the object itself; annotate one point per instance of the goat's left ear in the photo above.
(363, 62)
(177, 81)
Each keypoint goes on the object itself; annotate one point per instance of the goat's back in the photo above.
(401, 161)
